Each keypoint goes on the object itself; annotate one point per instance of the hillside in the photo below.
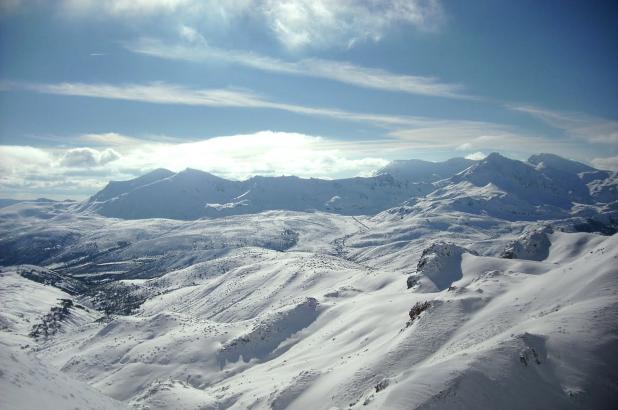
(509, 302)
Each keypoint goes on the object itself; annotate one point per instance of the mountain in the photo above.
(559, 163)
(424, 171)
(192, 194)
(8, 202)
(546, 186)
(491, 287)
(116, 188)
(522, 181)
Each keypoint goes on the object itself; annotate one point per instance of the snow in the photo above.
(192, 194)
(28, 383)
(533, 244)
(288, 309)
(415, 170)
(441, 264)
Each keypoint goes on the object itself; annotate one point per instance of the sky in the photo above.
(99, 90)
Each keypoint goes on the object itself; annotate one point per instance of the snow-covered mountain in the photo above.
(496, 289)
(546, 184)
(192, 194)
(417, 170)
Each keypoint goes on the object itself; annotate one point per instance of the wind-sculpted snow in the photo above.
(513, 302)
(263, 340)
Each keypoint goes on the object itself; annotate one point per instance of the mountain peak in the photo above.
(417, 170)
(559, 163)
(115, 188)
(494, 157)
(192, 173)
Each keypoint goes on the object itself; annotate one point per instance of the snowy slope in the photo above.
(28, 383)
(519, 179)
(416, 170)
(192, 194)
(562, 164)
(517, 303)
(116, 188)
(217, 342)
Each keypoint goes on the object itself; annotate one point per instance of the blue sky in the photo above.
(98, 90)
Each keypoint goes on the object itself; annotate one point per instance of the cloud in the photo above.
(79, 157)
(293, 23)
(124, 8)
(473, 136)
(476, 156)
(609, 163)
(109, 139)
(578, 125)
(162, 93)
(79, 172)
(88, 157)
(191, 35)
(339, 71)
(13, 157)
(405, 132)
(316, 23)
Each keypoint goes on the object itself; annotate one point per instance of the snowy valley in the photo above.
(455, 285)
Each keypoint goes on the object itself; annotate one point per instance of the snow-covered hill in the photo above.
(476, 295)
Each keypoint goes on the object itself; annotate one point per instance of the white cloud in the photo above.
(476, 156)
(483, 137)
(315, 23)
(191, 35)
(13, 157)
(162, 93)
(123, 8)
(340, 71)
(88, 157)
(406, 132)
(294, 23)
(109, 139)
(81, 171)
(609, 163)
(578, 125)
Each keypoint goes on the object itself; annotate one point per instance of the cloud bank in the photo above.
(79, 172)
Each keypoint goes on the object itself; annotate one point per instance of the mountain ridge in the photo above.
(545, 180)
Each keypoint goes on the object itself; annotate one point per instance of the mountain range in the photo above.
(461, 284)
(544, 186)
